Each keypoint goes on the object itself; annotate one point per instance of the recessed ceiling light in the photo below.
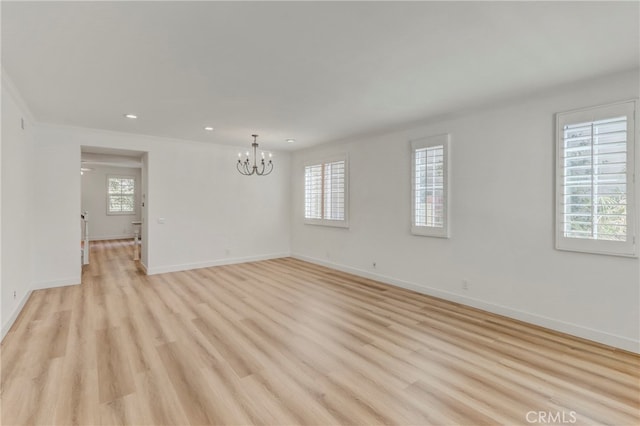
(131, 116)
(209, 129)
(291, 140)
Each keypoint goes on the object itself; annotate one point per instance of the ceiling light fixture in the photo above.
(209, 129)
(131, 116)
(291, 140)
(245, 167)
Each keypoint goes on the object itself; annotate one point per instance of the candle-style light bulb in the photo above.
(262, 155)
(270, 155)
(239, 155)
(247, 153)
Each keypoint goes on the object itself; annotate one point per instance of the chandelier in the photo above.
(245, 167)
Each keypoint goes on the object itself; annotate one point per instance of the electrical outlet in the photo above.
(465, 285)
(15, 294)
(374, 263)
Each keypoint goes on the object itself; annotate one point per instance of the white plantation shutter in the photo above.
(595, 184)
(313, 192)
(334, 191)
(429, 187)
(325, 193)
(429, 176)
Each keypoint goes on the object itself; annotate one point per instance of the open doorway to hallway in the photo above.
(113, 201)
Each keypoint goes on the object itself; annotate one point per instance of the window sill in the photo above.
(427, 232)
(327, 223)
(602, 248)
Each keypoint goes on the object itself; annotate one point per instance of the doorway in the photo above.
(113, 203)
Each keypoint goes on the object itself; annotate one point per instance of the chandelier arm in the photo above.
(245, 168)
(242, 168)
(238, 165)
(270, 169)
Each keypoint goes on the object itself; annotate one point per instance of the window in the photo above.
(121, 195)
(429, 186)
(595, 180)
(325, 193)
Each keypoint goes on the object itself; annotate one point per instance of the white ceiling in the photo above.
(314, 71)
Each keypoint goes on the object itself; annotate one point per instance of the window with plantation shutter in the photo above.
(325, 193)
(429, 186)
(121, 195)
(595, 180)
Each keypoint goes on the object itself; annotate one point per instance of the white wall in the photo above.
(17, 179)
(212, 214)
(103, 226)
(502, 199)
(144, 229)
(2, 319)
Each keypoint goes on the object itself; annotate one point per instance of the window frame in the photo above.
(443, 140)
(108, 196)
(344, 223)
(626, 248)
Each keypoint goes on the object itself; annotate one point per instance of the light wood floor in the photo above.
(287, 342)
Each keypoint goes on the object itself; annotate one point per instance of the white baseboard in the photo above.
(14, 316)
(554, 324)
(144, 268)
(110, 237)
(220, 262)
(56, 283)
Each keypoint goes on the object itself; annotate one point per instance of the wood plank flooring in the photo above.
(285, 342)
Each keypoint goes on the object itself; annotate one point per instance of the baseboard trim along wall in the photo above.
(542, 321)
(14, 316)
(208, 264)
(110, 237)
(564, 327)
(56, 283)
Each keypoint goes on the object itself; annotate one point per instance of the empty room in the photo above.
(320, 213)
